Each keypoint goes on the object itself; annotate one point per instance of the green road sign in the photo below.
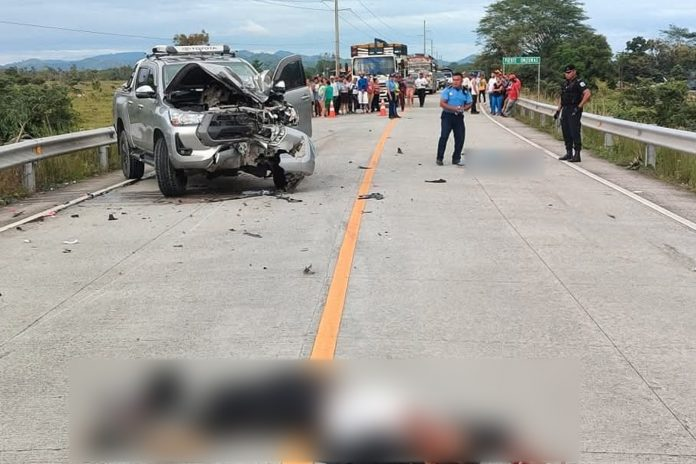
(521, 60)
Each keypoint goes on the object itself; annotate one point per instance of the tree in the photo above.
(529, 27)
(258, 65)
(552, 29)
(201, 38)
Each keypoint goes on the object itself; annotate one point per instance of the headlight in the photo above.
(184, 118)
(291, 116)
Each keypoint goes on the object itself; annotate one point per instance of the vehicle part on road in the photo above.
(250, 234)
(112, 217)
(308, 270)
(74, 215)
(364, 167)
(371, 196)
(398, 151)
(71, 242)
(67, 250)
(436, 181)
(132, 168)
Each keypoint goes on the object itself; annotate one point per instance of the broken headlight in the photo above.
(184, 118)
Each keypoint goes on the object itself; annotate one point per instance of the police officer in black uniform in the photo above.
(574, 96)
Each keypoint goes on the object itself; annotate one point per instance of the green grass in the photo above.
(671, 166)
(92, 102)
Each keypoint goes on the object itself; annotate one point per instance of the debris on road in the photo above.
(19, 228)
(178, 246)
(17, 214)
(233, 230)
(308, 270)
(74, 215)
(112, 217)
(250, 234)
(436, 181)
(371, 196)
(364, 167)
(366, 212)
(611, 216)
(71, 242)
(50, 214)
(280, 196)
(398, 151)
(303, 250)
(67, 250)
(26, 240)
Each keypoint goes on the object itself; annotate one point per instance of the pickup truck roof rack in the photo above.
(189, 50)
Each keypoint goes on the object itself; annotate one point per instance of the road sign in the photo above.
(521, 60)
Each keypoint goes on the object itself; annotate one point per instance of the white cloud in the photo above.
(254, 28)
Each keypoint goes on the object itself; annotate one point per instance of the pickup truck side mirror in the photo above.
(279, 87)
(145, 91)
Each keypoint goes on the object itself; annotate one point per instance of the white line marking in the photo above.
(683, 221)
(70, 203)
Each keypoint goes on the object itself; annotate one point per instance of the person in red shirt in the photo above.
(512, 93)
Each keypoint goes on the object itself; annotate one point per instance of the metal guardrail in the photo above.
(652, 136)
(30, 151)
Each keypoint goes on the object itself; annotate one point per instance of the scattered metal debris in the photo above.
(67, 250)
(17, 214)
(71, 242)
(364, 167)
(371, 196)
(399, 151)
(611, 216)
(178, 246)
(250, 234)
(26, 240)
(74, 215)
(366, 212)
(308, 270)
(19, 228)
(436, 181)
(280, 196)
(112, 217)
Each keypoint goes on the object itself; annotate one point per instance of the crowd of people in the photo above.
(363, 94)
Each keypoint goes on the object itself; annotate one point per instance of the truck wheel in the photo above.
(132, 168)
(172, 182)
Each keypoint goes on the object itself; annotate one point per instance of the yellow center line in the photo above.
(329, 325)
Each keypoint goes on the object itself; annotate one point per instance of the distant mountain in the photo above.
(468, 60)
(116, 60)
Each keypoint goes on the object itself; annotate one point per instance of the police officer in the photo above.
(574, 96)
(454, 101)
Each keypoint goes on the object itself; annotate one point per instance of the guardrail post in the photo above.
(608, 140)
(29, 177)
(650, 155)
(103, 158)
(542, 119)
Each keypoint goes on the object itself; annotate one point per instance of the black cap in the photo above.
(570, 67)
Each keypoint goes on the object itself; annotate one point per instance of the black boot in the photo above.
(576, 157)
(568, 156)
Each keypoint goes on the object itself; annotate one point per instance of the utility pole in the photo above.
(338, 45)
(432, 50)
(424, 51)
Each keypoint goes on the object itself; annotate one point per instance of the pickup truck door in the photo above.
(142, 110)
(291, 71)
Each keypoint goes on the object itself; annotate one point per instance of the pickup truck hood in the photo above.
(190, 75)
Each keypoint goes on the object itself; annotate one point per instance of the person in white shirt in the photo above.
(473, 89)
(421, 84)
(489, 90)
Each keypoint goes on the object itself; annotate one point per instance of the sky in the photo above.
(301, 26)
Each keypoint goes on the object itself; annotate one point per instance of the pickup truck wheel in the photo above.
(172, 182)
(132, 168)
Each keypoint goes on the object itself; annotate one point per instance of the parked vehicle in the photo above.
(200, 109)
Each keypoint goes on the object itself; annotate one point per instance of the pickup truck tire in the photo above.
(132, 168)
(172, 182)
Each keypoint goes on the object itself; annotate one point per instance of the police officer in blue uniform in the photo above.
(454, 101)
(574, 96)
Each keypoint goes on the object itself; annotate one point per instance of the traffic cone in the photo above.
(332, 111)
(382, 109)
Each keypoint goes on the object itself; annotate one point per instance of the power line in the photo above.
(375, 16)
(84, 31)
(269, 2)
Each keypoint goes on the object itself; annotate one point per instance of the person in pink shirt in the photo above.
(513, 94)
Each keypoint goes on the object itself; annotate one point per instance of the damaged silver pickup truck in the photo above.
(201, 110)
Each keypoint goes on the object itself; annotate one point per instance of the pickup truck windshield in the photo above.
(243, 70)
(374, 65)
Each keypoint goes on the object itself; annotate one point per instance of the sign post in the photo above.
(526, 60)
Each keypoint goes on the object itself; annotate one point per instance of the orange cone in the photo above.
(382, 109)
(332, 111)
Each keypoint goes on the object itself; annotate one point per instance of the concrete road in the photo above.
(516, 255)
